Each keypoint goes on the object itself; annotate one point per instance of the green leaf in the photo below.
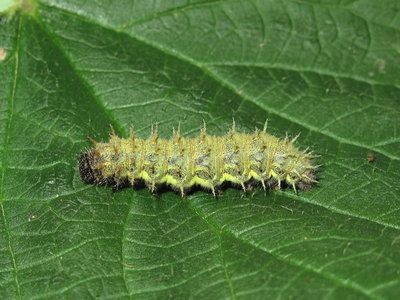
(326, 69)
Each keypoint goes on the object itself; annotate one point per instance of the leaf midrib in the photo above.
(4, 156)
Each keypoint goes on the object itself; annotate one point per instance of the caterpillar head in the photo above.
(85, 168)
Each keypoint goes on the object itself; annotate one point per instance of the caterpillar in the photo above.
(207, 161)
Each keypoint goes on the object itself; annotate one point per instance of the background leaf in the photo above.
(326, 69)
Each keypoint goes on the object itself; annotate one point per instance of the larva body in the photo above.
(207, 161)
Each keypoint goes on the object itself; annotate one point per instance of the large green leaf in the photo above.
(327, 69)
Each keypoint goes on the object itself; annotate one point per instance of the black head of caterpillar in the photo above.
(207, 161)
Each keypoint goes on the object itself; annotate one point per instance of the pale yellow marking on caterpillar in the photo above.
(207, 161)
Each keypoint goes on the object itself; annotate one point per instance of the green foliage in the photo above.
(327, 69)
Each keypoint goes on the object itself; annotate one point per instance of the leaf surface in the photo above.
(326, 70)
